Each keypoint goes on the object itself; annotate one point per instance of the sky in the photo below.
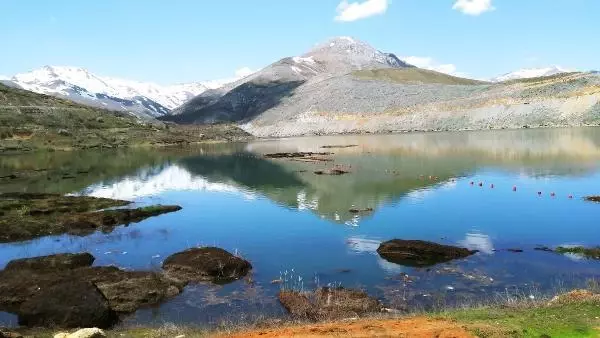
(180, 41)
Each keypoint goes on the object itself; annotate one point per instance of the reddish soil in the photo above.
(417, 327)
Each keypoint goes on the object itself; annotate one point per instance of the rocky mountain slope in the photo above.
(265, 89)
(347, 86)
(77, 84)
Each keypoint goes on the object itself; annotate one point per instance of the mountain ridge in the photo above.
(347, 86)
(144, 99)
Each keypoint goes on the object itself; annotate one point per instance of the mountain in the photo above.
(530, 73)
(144, 99)
(346, 86)
(266, 88)
(32, 121)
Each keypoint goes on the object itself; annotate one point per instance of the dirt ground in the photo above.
(410, 327)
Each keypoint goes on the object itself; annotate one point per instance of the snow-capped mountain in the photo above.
(144, 99)
(531, 72)
(332, 59)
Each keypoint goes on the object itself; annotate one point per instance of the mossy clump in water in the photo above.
(592, 253)
(328, 303)
(28, 215)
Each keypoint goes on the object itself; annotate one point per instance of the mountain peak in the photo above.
(344, 53)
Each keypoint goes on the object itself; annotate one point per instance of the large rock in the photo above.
(93, 332)
(72, 304)
(206, 264)
(126, 291)
(328, 303)
(417, 253)
(52, 262)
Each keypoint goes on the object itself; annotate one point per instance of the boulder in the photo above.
(52, 262)
(126, 291)
(328, 303)
(70, 304)
(83, 333)
(206, 264)
(418, 253)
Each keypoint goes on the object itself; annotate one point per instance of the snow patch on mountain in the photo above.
(527, 73)
(67, 81)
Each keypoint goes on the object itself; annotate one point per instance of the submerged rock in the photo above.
(339, 146)
(70, 304)
(332, 171)
(358, 211)
(52, 262)
(124, 291)
(328, 303)
(418, 253)
(295, 155)
(206, 264)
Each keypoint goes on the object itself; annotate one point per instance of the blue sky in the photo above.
(192, 40)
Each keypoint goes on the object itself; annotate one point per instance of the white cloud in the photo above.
(348, 12)
(431, 64)
(243, 72)
(473, 7)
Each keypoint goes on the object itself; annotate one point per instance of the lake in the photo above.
(291, 224)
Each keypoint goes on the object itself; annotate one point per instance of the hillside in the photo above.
(31, 121)
(413, 75)
(346, 86)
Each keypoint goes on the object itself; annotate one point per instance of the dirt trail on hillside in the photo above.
(411, 327)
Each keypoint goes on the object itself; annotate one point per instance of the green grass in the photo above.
(575, 319)
(414, 75)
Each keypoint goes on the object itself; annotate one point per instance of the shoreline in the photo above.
(572, 314)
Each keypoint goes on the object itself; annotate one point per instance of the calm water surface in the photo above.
(281, 216)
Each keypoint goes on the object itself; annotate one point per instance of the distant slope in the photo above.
(413, 75)
(530, 73)
(31, 121)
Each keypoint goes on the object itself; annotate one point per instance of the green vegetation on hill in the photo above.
(30, 121)
(418, 75)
